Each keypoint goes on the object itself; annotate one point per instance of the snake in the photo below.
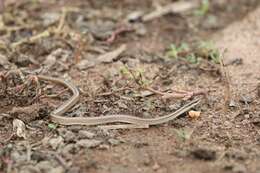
(56, 115)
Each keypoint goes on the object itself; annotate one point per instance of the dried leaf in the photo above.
(4, 61)
(110, 56)
(194, 114)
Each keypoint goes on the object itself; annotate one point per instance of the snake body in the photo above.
(56, 115)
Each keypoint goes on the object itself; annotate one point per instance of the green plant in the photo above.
(137, 75)
(175, 50)
(52, 126)
(195, 53)
(207, 49)
(203, 9)
(191, 58)
(183, 134)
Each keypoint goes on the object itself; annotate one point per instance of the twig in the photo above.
(65, 11)
(178, 94)
(114, 91)
(117, 32)
(62, 20)
(61, 160)
(29, 151)
(176, 7)
(226, 78)
(55, 95)
(63, 163)
(34, 38)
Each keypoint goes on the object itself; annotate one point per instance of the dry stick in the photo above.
(114, 91)
(43, 34)
(117, 32)
(62, 20)
(258, 89)
(176, 7)
(227, 82)
(55, 95)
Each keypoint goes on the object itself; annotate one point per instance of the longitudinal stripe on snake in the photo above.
(56, 115)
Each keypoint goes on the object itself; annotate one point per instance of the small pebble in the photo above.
(86, 134)
(69, 136)
(113, 142)
(87, 143)
(55, 142)
(247, 116)
(57, 170)
(44, 166)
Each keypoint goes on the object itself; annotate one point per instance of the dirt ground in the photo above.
(74, 41)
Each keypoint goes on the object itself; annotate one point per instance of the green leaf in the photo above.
(203, 9)
(192, 59)
(52, 126)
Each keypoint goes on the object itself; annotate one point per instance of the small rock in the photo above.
(181, 153)
(103, 147)
(69, 136)
(112, 55)
(232, 103)
(15, 155)
(175, 106)
(122, 105)
(87, 143)
(156, 166)
(26, 114)
(4, 61)
(38, 156)
(104, 132)
(68, 149)
(22, 60)
(55, 142)
(101, 29)
(57, 170)
(30, 169)
(85, 64)
(135, 16)
(114, 141)
(86, 134)
(50, 18)
(145, 93)
(140, 29)
(20, 128)
(236, 155)
(74, 170)
(227, 124)
(246, 99)
(50, 61)
(239, 169)
(204, 154)
(139, 144)
(247, 116)
(44, 166)
(245, 122)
